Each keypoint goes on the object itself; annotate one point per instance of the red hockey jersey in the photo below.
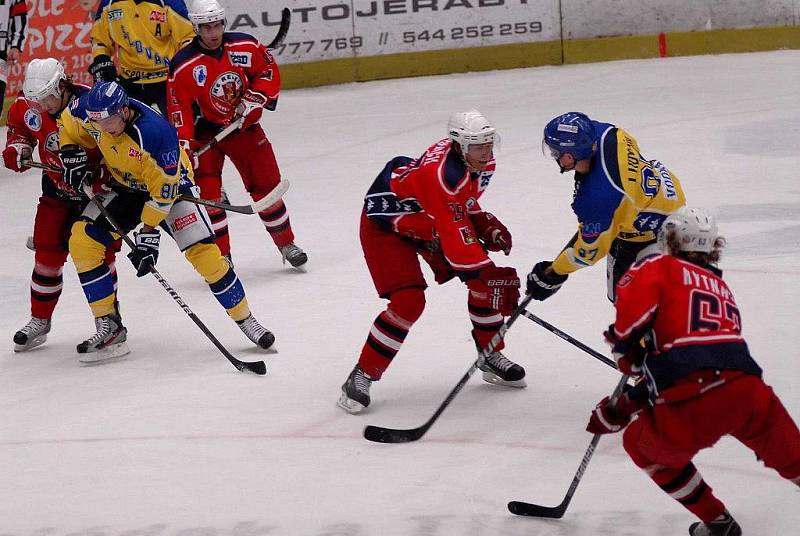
(690, 312)
(438, 191)
(29, 124)
(208, 84)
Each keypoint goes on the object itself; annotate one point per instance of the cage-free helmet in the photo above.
(695, 230)
(470, 128)
(43, 78)
(572, 133)
(205, 12)
(105, 99)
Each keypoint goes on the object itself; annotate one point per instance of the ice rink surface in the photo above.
(172, 440)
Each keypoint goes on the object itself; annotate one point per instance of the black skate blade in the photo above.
(256, 367)
(520, 508)
(379, 434)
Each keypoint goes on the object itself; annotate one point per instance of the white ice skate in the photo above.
(33, 334)
(499, 370)
(108, 343)
(296, 256)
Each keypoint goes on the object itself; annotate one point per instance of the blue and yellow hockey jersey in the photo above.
(624, 196)
(146, 34)
(145, 157)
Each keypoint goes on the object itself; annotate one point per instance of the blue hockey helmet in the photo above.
(104, 100)
(573, 133)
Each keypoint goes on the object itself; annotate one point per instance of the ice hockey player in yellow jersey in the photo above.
(621, 199)
(144, 35)
(149, 172)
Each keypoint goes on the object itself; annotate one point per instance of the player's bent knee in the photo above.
(207, 261)
(85, 246)
(408, 303)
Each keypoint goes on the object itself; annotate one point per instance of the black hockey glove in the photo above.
(542, 286)
(103, 69)
(76, 166)
(145, 256)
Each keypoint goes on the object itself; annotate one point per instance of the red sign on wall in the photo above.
(59, 29)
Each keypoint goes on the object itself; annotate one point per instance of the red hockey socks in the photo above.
(687, 486)
(390, 329)
(276, 220)
(485, 323)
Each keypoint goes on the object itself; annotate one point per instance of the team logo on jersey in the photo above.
(177, 119)
(225, 91)
(467, 235)
(115, 14)
(93, 133)
(158, 16)
(200, 75)
(624, 280)
(648, 221)
(245, 59)
(133, 153)
(470, 203)
(169, 159)
(33, 119)
(51, 143)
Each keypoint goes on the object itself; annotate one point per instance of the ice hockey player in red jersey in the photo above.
(218, 78)
(699, 379)
(31, 123)
(428, 207)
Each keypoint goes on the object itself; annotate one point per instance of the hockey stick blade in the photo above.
(557, 512)
(271, 198)
(283, 29)
(380, 434)
(520, 508)
(256, 367)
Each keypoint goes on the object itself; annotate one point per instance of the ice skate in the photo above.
(355, 391)
(724, 525)
(33, 334)
(256, 332)
(107, 343)
(500, 370)
(296, 256)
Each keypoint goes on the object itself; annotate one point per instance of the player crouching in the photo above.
(149, 172)
(700, 382)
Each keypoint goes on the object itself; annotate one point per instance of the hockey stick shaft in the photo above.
(380, 434)
(253, 208)
(222, 134)
(529, 509)
(283, 29)
(257, 367)
(575, 342)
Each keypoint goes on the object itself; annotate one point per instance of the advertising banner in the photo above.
(333, 29)
(58, 29)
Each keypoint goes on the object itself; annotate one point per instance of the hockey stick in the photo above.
(552, 329)
(220, 136)
(256, 367)
(253, 208)
(557, 512)
(380, 434)
(283, 29)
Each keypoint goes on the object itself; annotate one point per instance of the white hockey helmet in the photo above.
(205, 12)
(42, 78)
(470, 128)
(694, 229)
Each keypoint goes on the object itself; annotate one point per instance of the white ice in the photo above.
(173, 440)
